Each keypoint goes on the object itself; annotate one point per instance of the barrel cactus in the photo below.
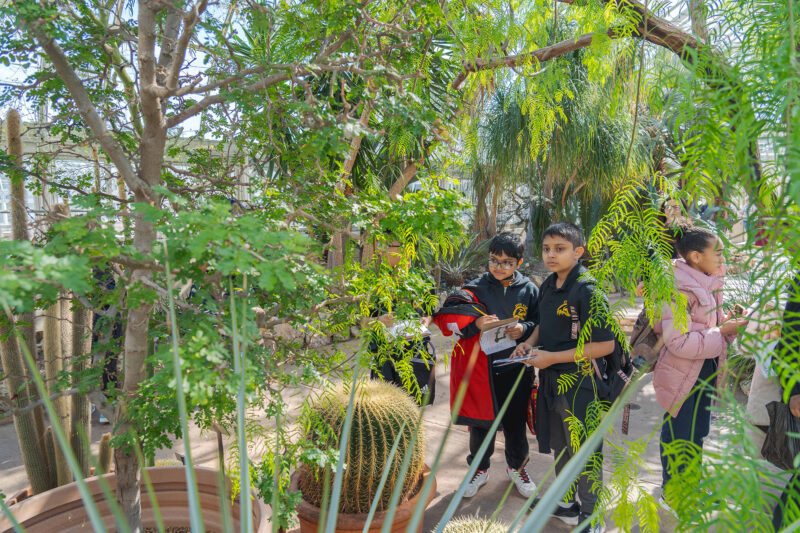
(380, 410)
(474, 524)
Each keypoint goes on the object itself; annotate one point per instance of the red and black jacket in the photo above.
(468, 363)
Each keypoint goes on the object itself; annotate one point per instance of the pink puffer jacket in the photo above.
(682, 356)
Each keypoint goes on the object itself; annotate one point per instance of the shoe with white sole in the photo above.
(522, 480)
(662, 502)
(566, 512)
(592, 527)
(480, 479)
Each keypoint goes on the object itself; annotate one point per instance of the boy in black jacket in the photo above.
(498, 294)
(564, 306)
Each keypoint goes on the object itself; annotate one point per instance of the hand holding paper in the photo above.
(497, 339)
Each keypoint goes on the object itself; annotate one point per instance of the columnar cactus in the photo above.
(474, 524)
(104, 455)
(81, 410)
(380, 410)
(53, 364)
(29, 425)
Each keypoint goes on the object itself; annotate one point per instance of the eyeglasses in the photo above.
(502, 265)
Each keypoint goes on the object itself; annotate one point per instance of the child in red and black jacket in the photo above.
(498, 294)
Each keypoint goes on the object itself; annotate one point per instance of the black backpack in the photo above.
(618, 365)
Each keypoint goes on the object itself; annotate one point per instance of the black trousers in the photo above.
(514, 421)
(561, 439)
(788, 498)
(691, 424)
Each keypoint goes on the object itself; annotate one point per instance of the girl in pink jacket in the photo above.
(690, 358)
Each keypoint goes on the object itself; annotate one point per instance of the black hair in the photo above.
(567, 231)
(693, 239)
(508, 243)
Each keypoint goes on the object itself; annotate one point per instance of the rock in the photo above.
(316, 340)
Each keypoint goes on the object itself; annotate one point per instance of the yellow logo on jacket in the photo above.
(520, 311)
(563, 310)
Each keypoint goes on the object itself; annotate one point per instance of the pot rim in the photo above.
(404, 511)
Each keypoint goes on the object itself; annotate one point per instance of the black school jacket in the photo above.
(483, 296)
(520, 299)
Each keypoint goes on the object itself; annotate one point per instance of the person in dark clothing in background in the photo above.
(397, 342)
(111, 340)
(788, 351)
(502, 293)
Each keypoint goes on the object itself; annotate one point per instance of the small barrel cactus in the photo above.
(380, 410)
(474, 524)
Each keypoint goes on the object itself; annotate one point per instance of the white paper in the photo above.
(510, 360)
(496, 340)
(408, 329)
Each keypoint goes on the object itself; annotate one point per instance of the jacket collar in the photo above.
(516, 279)
(691, 278)
(573, 275)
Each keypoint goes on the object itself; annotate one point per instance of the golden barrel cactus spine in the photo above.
(381, 411)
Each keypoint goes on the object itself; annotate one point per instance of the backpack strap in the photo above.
(573, 301)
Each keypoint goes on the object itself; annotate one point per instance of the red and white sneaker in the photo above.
(522, 480)
(480, 479)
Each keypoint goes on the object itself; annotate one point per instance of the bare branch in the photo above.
(208, 101)
(542, 54)
(85, 107)
(326, 225)
(189, 20)
(260, 85)
(311, 310)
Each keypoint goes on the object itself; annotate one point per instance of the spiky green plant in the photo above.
(474, 524)
(381, 411)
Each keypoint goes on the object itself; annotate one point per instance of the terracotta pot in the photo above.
(309, 514)
(61, 509)
(27, 493)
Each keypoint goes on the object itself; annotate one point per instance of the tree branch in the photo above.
(208, 101)
(85, 106)
(189, 20)
(545, 53)
(311, 310)
(260, 85)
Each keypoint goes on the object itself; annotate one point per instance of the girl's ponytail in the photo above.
(693, 239)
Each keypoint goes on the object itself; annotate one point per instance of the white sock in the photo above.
(564, 505)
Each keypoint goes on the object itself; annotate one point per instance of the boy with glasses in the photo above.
(501, 293)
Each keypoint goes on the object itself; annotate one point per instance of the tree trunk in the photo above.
(408, 173)
(492, 226)
(699, 17)
(136, 341)
(481, 217)
(151, 159)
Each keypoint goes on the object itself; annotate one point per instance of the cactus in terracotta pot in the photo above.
(380, 411)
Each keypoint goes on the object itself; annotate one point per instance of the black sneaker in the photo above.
(592, 527)
(568, 515)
